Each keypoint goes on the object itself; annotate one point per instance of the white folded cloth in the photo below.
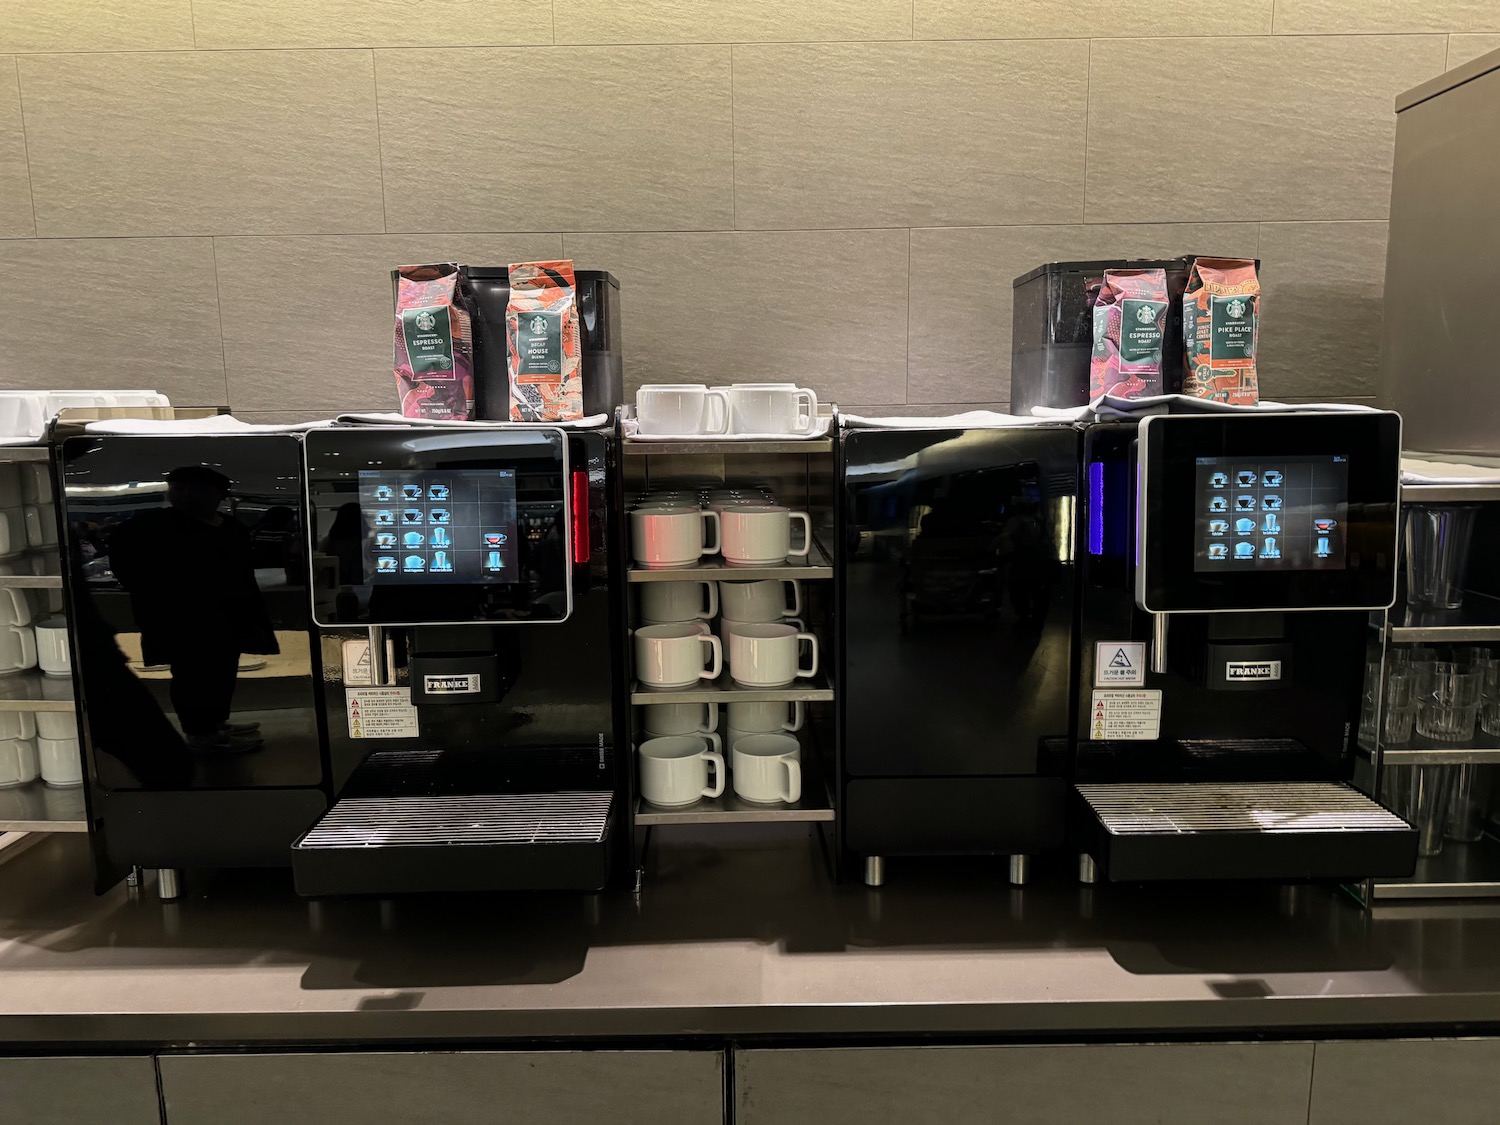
(632, 430)
(1415, 470)
(218, 424)
(972, 420)
(592, 421)
(1111, 406)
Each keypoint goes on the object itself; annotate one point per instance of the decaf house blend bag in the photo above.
(1220, 330)
(434, 343)
(1130, 312)
(545, 351)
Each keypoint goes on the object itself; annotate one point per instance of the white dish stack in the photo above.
(741, 409)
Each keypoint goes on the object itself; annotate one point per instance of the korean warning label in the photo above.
(1119, 662)
(380, 712)
(1125, 715)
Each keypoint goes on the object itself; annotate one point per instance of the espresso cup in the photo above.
(677, 656)
(676, 770)
(764, 656)
(61, 762)
(761, 534)
(679, 718)
(56, 724)
(665, 602)
(681, 409)
(52, 646)
(767, 769)
(667, 537)
(763, 718)
(12, 530)
(17, 649)
(772, 408)
(18, 762)
(764, 600)
(41, 525)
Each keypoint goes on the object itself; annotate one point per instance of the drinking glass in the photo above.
(1400, 706)
(1448, 701)
(1427, 806)
(1468, 803)
(1437, 554)
(1489, 717)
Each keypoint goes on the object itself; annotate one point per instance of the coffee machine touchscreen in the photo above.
(1271, 513)
(435, 526)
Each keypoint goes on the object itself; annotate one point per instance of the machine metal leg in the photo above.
(168, 884)
(1088, 870)
(874, 870)
(1020, 870)
(134, 878)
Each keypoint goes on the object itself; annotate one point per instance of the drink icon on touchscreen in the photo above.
(385, 564)
(1271, 503)
(440, 538)
(1218, 504)
(440, 561)
(385, 539)
(437, 492)
(1218, 480)
(1244, 550)
(383, 492)
(1244, 525)
(493, 539)
(493, 562)
(414, 564)
(1245, 478)
(1218, 527)
(1268, 548)
(384, 518)
(1271, 478)
(1322, 550)
(411, 491)
(412, 515)
(1244, 503)
(438, 515)
(412, 539)
(1218, 550)
(1323, 527)
(1271, 525)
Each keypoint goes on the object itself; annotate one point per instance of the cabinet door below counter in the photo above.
(1399, 1081)
(441, 1088)
(79, 1091)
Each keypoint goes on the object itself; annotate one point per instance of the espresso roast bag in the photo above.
(1220, 330)
(434, 350)
(1130, 312)
(545, 352)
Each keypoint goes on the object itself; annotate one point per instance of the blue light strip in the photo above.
(1096, 507)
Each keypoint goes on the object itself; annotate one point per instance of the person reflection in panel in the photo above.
(190, 572)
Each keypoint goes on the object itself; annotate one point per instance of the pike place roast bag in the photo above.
(545, 351)
(434, 352)
(1130, 313)
(1220, 330)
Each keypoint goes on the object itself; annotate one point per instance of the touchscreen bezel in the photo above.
(1167, 453)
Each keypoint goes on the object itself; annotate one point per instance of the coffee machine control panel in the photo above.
(432, 526)
(1267, 511)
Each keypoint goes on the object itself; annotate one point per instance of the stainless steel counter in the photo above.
(733, 936)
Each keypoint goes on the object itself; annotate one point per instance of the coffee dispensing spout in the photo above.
(1159, 644)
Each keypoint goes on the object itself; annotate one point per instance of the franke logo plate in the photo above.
(451, 685)
(1260, 671)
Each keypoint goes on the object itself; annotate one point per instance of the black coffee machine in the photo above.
(1227, 567)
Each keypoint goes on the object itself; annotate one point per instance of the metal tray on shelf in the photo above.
(712, 569)
(815, 689)
(36, 807)
(1478, 619)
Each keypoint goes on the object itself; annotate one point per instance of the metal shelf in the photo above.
(710, 447)
(9, 453)
(1458, 871)
(31, 581)
(33, 691)
(1478, 619)
(816, 565)
(724, 690)
(1440, 756)
(36, 807)
(1450, 493)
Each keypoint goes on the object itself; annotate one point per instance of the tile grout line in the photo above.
(385, 218)
(1088, 96)
(553, 7)
(192, 24)
(213, 251)
(36, 229)
(906, 383)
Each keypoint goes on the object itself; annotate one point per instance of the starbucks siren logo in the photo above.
(1146, 314)
(538, 324)
(1235, 308)
(426, 321)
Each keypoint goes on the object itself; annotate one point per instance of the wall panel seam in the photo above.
(385, 218)
(213, 251)
(734, 175)
(36, 230)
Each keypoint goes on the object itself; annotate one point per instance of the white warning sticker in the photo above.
(1119, 662)
(380, 712)
(1130, 716)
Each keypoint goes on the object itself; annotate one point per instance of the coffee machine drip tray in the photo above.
(456, 843)
(1242, 830)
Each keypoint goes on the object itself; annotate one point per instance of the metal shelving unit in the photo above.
(36, 807)
(817, 564)
(815, 689)
(815, 807)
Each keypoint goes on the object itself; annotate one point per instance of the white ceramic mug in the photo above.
(12, 530)
(761, 534)
(677, 656)
(17, 724)
(35, 484)
(679, 718)
(13, 478)
(56, 724)
(762, 718)
(669, 498)
(52, 646)
(767, 768)
(764, 600)
(61, 762)
(18, 762)
(666, 537)
(765, 656)
(46, 563)
(17, 649)
(41, 525)
(663, 602)
(772, 408)
(676, 770)
(15, 605)
(681, 409)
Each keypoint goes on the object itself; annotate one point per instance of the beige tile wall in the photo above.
(205, 196)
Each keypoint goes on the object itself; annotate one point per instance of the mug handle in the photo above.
(28, 646)
(807, 426)
(713, 740)
(812, 647)
(713, 602)
(711, 396)
(797, 715)
(712, 672)
(799, 553)
(712, 711)
(716, 786)
(20, 605)
(796, 609)
(793, 791)
(708, 515)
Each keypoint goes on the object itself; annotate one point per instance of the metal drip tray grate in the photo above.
(1126, 809)
(504, 818)
(1243, 830)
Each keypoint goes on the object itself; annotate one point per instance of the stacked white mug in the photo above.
(761, 534)
(667, 537)
(18, 760)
